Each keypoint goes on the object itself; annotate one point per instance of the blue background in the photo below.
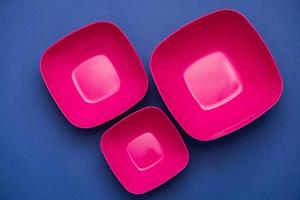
(42, 156)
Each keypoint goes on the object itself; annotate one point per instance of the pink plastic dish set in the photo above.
(225, 77)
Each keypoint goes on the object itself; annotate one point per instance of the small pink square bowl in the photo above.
(144, 150)
(94, 74)
(216, 75)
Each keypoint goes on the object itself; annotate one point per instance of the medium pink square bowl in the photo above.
(216, 75)
(144, 150)
(94, 74)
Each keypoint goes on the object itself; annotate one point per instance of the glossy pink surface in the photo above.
(216, 75)
(144, 150)
(94, 74)
(212, 81)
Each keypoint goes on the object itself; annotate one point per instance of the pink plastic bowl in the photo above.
(216, 75)
(144, 150)
(94, 74)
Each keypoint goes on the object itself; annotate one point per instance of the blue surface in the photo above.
(42, 156)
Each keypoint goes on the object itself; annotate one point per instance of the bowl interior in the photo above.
(144, 150)
(223, 73)
(94, 74)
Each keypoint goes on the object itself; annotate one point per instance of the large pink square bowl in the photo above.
(216, 75)
(94, 74)
(144, 150)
